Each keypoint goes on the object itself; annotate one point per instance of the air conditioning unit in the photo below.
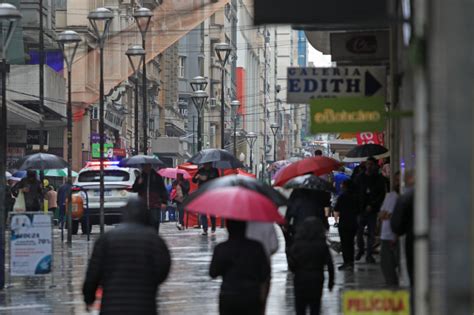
(212, 102)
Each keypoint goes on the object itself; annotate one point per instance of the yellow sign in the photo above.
(376, 302)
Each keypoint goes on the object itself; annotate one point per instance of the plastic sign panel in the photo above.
(305, 84)
(31, 244)
(376, 302)
(108, 150)
(348, 114)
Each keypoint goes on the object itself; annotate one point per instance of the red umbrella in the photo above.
(173, 173)
(237, 203)
(318, 165)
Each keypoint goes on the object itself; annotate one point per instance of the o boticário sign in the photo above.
(305, 84)
(347, 114)
(376, 302)
(31, 244)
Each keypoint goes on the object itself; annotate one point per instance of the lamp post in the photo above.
(223, 51)
(199, 99)
(235, 107)
(100, 20)
(251, 138)
(275, 127)
(69, 41)
(142, 17)
(136, 56)
(9, 15)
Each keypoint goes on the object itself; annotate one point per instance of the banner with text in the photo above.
(370, 138)
(376, 302)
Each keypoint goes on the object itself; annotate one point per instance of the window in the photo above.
(181, 65)
(109, 176)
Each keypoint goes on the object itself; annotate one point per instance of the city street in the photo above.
(188, 289)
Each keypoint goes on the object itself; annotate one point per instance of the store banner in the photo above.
(31, 244)
(376, 302)
(347, 114)
(108, 150)
(370, 138)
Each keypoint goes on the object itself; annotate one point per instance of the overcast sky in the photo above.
(318, 58)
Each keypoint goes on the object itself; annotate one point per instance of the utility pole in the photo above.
(41, 86)
(265, 40)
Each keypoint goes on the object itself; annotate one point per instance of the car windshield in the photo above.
(109, 176)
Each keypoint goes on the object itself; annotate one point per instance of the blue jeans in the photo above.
(156, 218)
(205, 225)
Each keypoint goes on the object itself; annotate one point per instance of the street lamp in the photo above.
(198, 83)
(251, 137)
(275, 127)
(235, 108)
(199, 99)
(69, 41)
(143, 17)
(136, 55)
(223, 51)
(100, 20)
(9, 15)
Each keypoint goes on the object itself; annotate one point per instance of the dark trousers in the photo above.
(305, 300)
(389, 255)
(180, 207)
(347, 233)
(205, 225)
(369, 220)
(156, 218)
(239, 305)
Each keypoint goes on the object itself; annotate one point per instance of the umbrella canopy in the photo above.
(173, 173)
(309, 182)
(242, 172)
(138, 160)
(221, 159)
(245, 182)
(62, 172)
(41, 161)
(317, 165)
(237, 203)
(361, 152)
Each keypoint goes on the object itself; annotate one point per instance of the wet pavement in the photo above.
(188, 289)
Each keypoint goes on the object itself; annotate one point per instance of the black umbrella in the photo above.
(39, 161)
(362, 152)
(309, 182)
(241, 181)
(138, 160)
(219, 158)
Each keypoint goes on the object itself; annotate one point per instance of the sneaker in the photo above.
(204, 233)
(346, 267)
(179, 226)
(359, 256)
(370, 260)
(213, 231)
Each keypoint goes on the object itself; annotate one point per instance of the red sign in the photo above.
(120, 152)
(370, 138)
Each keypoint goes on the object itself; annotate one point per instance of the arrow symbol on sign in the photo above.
(371, 84)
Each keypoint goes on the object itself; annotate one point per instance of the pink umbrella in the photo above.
(173, 173)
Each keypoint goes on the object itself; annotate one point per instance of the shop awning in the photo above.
(171, 21)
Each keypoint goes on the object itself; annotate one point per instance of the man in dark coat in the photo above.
(129, 263)
(151, 188)
(371, 187)
(32, 190)
(205, 174)
(245, 270)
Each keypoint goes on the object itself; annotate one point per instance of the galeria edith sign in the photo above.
(376, 302)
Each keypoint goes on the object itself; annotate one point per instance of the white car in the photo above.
(118, 182)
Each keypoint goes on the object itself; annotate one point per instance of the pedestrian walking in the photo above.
(245, 270)
(308, 257)
(348, 207)
(371, 187)
(151, 188)
(129, 263)
(339, 177)
(182, 191)
(52, 198)
(205, 174)
(32, 190)
(389, 252)
(62, 197)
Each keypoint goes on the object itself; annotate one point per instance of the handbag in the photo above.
(20, 204)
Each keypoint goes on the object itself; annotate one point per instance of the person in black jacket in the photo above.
(129, 263)
(371, 187)
(308, 256)
(348, 207)
(32, 190)
(182, 191)
(244, 268)
(205, 174)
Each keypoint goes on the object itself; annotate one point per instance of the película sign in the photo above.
(305, 84)
(376, 302)
(31, 244)
(347, 114)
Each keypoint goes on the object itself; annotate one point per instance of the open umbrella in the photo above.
(237, 203)
(62, 172)
(221, 159)
(361, 152)
(317, 165)
(139, 160)
(41, 161)
(309, 182)
(173, 173)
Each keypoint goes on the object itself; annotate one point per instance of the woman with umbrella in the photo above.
(32, 191)
(205, 174)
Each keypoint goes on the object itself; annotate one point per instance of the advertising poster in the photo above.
(31, 244)
(376, 302)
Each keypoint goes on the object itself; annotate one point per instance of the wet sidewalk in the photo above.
(188, 289)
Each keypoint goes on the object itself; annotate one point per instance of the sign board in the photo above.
(360, 46)
(376, 302)
(347, 114)
(370, 138)
(119, 152)
(32, 137)
(31, 243)
(108, 150)
(310, 83)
